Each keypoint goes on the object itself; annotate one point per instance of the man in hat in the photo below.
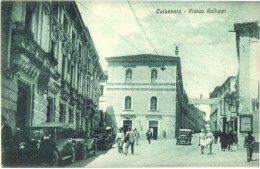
(249, 144)
(129, 140)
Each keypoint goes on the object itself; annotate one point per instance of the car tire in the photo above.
(84, 152)
(73, 155)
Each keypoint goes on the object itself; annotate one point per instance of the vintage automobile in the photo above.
(62, 135)
(184, 136)
(104, 136)
(85, 147)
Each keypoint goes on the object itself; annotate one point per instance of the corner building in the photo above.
(50, 68)
(141, 93)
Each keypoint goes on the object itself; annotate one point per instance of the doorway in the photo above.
(126, 124)
(23, 113)
(153, 125)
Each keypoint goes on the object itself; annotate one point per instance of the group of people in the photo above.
(130, 138)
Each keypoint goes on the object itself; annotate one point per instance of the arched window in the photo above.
(127, 103)
(154, 74)
(153, 103)
(128, 77)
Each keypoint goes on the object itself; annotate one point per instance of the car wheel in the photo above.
(84, 152)
(73, 155)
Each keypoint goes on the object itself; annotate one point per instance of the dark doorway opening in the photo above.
(153, 125)
(22, 116)
(126, 124)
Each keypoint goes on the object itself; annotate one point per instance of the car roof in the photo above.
(185, 130)
(53, 125)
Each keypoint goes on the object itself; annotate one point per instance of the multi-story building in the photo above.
(141, 93)
(222, 112)
(247, 85)
(50, 67)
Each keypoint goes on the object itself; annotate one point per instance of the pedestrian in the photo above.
(149, 135)
(48, 152)
(6, 134)
(129, 140)
(230, 139)
(215, 134)
(223, 140)
(202, 138)
(249, 144)
(136, 136)
(209, 140)
(120, 140)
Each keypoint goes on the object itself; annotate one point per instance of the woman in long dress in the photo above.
(209, 140)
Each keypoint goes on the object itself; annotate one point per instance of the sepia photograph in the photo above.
(129, 84)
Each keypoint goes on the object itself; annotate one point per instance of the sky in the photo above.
(206, 43)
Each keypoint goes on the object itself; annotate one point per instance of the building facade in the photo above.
(50, 68)
(222, 112)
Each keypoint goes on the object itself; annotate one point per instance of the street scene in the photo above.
(129, 84)
(165, 153)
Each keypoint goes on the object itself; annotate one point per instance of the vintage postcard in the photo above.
(104, 84)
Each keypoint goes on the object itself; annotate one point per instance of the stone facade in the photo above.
(50, 68)
(141, 94)
(247, 85)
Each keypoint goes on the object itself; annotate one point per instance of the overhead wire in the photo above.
(108, 26)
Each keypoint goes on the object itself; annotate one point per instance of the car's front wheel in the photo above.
(84, 152)
(73, 155)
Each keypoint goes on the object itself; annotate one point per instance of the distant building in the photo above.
(51, 70)
(222, 114)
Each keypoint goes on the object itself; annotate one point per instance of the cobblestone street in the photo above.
(165, 153)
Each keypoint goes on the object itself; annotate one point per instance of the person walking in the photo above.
(136, 136)
(230, 140)
(249, 144)
(209, 140)
(48, 153)
(120, 140)
(223, 140)
(149, 135)
(202, 138)
(129, 140)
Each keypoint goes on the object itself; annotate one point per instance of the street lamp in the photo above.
(176, 51)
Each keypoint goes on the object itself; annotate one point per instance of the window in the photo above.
(28, 16)
(55, 8)
(62, 113)
(71, 116)
(128, 103)
(65, 24)
(102, 90)
(154, 76)
(153, 103)
(74, 39)
(63, 67)
(128, 76)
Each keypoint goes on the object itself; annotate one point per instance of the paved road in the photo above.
(164, 153)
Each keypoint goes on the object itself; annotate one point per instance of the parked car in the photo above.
(62, 135)
(184, 136)
(104, 136)
(85, 147)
